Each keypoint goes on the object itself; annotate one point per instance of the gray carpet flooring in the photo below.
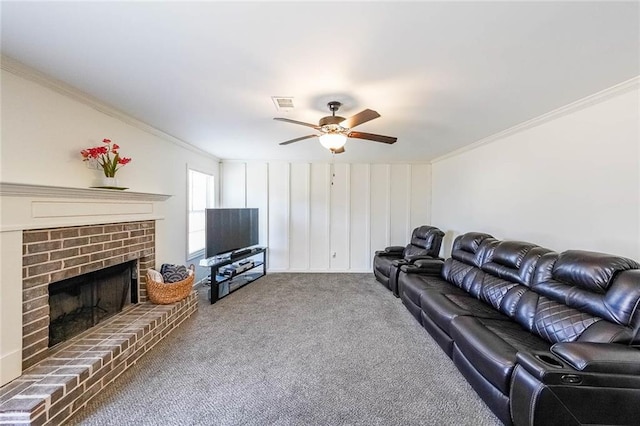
(294, 349)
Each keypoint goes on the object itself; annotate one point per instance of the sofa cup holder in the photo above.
(549, 360)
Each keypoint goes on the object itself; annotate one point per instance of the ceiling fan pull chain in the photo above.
(333, 167)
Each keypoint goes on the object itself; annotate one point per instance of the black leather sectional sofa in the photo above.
(544, 338)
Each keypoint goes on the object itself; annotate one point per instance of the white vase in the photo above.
(109, 181)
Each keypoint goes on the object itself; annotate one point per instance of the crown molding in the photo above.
(45, 191)
(21, 70)
(598, 97)
(274, 160)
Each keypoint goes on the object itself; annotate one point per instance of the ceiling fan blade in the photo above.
(287, 120)
(338, 151)
(373, 137)
(359, 118)
(297, 139)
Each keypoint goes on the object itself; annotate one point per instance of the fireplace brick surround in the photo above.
(51, 255)
(59, 381)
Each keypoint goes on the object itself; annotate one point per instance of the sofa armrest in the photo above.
(608, 358)
(430, 262)
(547, 390)
(394, 249)
(424, 266)
(391, 251)
(414, 258)
(542, 365)
(399, 262)
(554, 370)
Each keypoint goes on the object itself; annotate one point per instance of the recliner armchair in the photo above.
(425, 244)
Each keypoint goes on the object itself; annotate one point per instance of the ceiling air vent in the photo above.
(283, 103)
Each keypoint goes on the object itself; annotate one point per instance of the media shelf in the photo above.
(222, 285)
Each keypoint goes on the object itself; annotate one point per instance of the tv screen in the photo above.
(230, 229)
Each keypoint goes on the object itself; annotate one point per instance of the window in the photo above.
(201, 196)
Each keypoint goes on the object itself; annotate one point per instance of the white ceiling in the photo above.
(441, 74)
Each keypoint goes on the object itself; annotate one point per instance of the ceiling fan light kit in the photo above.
(333, 141)
(335, 129)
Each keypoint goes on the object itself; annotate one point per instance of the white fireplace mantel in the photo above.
(26, 206)
(28, 190)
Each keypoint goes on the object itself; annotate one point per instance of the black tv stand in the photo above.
(222, 285)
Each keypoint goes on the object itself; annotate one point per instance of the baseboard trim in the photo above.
(320, 271)
(10, 366)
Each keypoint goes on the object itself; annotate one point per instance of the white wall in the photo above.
(570, 181)
(329, 217)
(43, 132)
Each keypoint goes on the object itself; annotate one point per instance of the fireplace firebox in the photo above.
(79, 303)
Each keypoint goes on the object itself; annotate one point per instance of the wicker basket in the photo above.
(167, 293)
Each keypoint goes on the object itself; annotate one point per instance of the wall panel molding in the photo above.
(257, 195)
(233, 185)
(307, 219)
(299, 226)
(399, 203)
(420, 193)
(379, 208)
(360, 212)
(319, 212)
(279, 215)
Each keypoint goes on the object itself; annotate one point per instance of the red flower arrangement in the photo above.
(105, 157)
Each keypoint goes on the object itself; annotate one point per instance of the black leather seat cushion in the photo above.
(442, 308)
(414, 285)
(491, 346)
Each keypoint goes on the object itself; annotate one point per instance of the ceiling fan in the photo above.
(334, 130)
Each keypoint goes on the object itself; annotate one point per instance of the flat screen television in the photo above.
(230, 229)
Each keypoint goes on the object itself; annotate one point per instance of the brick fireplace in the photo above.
(55, 254)
(50, 234)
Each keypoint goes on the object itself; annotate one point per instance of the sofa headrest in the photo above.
(466, 247)
(425, 236)
(513, 260)
(590, 270)
(511, 253)
(425, 230)
(470, 242)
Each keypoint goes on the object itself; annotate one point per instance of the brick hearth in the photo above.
(55, 388)
(56, 382)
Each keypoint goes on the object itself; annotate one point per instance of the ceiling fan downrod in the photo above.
(332, 122)
(334, 106)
